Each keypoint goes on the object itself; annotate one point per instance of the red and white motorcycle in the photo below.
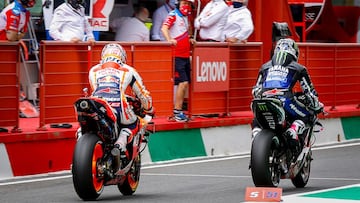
(94, 166)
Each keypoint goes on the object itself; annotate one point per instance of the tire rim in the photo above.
(97, 154)
(133, 176)
(273, 167)
(305, 171)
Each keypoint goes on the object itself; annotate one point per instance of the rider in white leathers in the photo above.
(111, 80)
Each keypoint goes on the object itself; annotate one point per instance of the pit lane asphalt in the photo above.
(221, 179)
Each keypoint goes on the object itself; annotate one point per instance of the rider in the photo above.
(283, 72)
(110, 80)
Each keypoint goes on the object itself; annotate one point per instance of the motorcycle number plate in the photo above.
(263, 194)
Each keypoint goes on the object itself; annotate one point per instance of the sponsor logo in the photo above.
(211, 71)
(262, 107)
(293, 107)
(101, 12)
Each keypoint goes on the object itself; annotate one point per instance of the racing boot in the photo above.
(296, 128)
(119, 150)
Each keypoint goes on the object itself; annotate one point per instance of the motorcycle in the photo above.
(272, 158)
(94, 166)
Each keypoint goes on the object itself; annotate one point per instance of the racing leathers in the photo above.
(111, 81)
(283, 75)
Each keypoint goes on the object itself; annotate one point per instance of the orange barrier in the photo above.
(9, 85)
(154, 61)
(244, 63)
(65, 71)
(334, 69)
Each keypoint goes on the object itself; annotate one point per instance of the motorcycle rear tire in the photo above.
(264, 167)
(88, 150)
(129, 186)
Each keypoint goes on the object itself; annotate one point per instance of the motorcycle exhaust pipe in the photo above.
(116, 154)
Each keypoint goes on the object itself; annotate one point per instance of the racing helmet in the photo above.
(75, 3)
(28, 3)
(113, 52)
(287, 45)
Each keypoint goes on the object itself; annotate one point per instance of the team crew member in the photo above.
(158, 18)
(211, 20)
(14, 20)
(239, 24)
(132, 29)
(176, 30)
(70, 24)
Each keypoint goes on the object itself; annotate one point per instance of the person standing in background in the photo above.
(132, 28)
(158, 19)
(211, 20)
(239, 24)
(177, 30)
(70, 24)
(14, 20)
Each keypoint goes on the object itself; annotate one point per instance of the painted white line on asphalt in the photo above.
(323, 190)
(193, 175)
(35, 178)
(340, 145)
(315, 200)
(297, 198)
(188, 161)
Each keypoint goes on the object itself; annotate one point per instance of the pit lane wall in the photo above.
(51, 155)
(233, 140)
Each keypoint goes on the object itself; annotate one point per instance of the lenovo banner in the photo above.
(210, 69)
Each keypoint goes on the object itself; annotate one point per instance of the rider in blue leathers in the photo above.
(283, 72)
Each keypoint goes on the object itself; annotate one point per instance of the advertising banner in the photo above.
(210, 69)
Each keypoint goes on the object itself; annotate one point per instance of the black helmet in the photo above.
(287, 45)
(75, 3)
(286, 51)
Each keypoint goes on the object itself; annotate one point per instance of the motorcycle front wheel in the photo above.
(129, 186)
(88, 151)
(264, 163)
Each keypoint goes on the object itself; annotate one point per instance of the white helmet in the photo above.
(113, 52)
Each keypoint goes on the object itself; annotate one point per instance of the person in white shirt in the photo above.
(158, 19)
(211, 20)
(70, 24)
(239, 24)
(132, 29)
